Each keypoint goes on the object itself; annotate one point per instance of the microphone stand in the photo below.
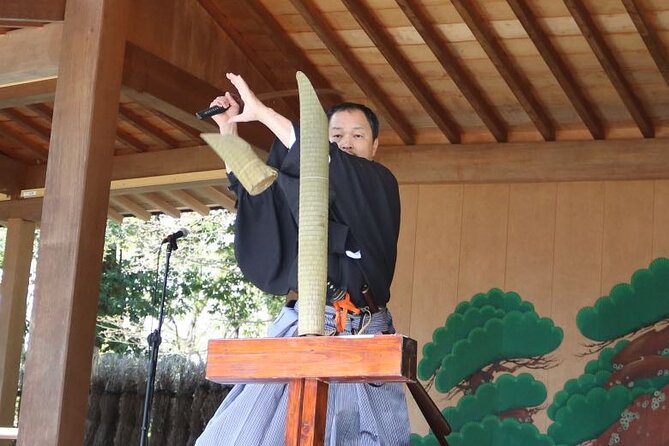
(154, 340)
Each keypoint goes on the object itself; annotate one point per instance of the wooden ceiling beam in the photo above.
(159, 85)
(650, 38)
(11, 172)
(137, 120)
(161, 204)
(610, 160)
(146, 164)
(130, 206)
(221, 198)
(608, 61)
(420, 20)
(28, 93)
(33, 10)
(571, 160)
(28, 123)
(132, 141)
(182, 126)
(20, 140)
(30, 54)
(29, 209)
(409, 75)
(168, 182)
(294, 55)
(227, 25)
(518, 83)
(43, 110)
(355, 69)
(563, 75)
(115, 215)
(169, 109)
(189, 201)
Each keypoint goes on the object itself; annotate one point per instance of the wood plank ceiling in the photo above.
(442, 74)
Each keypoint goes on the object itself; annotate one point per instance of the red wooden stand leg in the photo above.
(307, 408)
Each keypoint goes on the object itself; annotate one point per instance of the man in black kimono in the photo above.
(364, 218)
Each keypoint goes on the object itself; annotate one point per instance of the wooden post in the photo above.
(13, 293)
(307, 408)
(58, 368)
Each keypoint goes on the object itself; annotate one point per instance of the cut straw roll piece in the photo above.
(251, 171)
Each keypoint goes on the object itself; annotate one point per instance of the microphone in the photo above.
(211, 111)
(183, 232)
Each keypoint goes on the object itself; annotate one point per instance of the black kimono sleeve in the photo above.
(266, 234)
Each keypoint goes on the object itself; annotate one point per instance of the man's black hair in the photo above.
(349, 106)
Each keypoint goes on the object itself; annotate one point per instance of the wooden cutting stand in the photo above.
(308, 364)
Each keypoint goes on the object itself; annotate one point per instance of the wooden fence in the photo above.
(183, 401)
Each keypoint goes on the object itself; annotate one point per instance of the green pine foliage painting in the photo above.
(475, 354)
(619, 399)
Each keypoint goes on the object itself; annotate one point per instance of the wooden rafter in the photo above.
(26, 93)
(43, 110)
(17, 154)
(115, 215)
(12, 171)
(23, 142)
(219, 197)
(421, 22)
(159, 202)
(650, 38)
(189, 201)
(409, 75)
(131, 140)
(294, 55)
(157, 84)
(518, 83)
(227, 25)
(564, 76)
(170, 110)
(355, 69)
(126, 112)
(182, 126)
(131, 206)
(28, 123)
(608, 61)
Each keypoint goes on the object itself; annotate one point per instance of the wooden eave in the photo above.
(467, 91)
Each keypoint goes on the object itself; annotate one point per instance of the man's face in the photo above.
(351, 131)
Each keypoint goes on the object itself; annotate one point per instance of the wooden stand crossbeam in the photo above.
(308, 364)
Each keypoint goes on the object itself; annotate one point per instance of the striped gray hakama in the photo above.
(365, 414)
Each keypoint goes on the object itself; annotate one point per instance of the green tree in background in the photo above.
(207, 296)
(626, 384)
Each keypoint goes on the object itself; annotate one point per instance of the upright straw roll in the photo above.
(313, 211)
(251, 171)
